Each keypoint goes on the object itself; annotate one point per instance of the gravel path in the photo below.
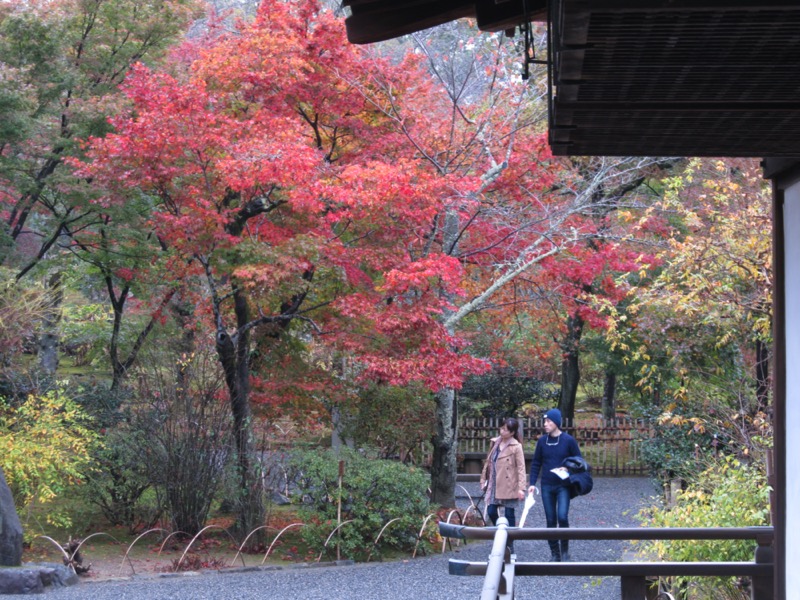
(612, 503)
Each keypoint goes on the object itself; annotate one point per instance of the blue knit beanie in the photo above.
(555, 416)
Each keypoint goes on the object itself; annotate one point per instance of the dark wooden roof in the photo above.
(378, 20)
(693, 77)
(646, 78)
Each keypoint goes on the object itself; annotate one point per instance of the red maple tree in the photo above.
(313, 190)
(279, 190)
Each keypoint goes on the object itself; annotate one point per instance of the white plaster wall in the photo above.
(792, 249)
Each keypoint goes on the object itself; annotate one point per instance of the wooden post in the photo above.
(339, 508)
(762, 588)
(494, 583)
(633, 588)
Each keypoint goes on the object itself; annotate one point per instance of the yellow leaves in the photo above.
(185, 361)
(46, 443)
(726, 494)
(714, 268)
(626, 216)
(671, 419)
(695, 494)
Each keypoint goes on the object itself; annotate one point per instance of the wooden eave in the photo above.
(379, 20)
(676, 78)
(645, 78)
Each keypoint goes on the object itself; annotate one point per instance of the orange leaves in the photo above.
(669, 418)
(306, 172)
(435, 271)
(265, 274)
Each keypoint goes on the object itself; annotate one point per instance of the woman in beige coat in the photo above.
(503, 475)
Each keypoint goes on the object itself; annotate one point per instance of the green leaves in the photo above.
(373, 493)
(727, 494)
(45, 445)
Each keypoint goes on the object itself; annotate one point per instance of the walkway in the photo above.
(613, 503)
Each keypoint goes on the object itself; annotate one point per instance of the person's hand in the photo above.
(532, 489)
(521, 494)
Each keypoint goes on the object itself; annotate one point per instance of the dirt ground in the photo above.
(106, 559)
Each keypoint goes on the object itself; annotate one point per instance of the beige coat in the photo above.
(510, 471)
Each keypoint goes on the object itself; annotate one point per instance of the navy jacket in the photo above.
(580, 484)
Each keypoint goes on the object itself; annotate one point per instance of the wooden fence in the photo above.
(611, 446)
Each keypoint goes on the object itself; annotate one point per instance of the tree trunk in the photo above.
(445, 439)
(341, 434)
(48, 350)
(570, 369)
(49, 338)
(762, 375)
(445, 445)
(234, 357)
(342, 418)
(183, 312)
(120, 367)
(609, 407)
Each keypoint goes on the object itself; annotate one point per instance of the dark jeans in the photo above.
(555, 499)
(491, 511)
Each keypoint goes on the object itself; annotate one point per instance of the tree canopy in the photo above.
(346, 226)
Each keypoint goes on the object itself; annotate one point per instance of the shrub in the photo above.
(183, 431)
(21, 307)
(396, 421)
(504, 392)
(119, 481)
(117, 478)
(373, 493)
(728, 494)
(46, 445)
(679, 439)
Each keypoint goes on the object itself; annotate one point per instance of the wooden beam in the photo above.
(378, 21)
(502, 15)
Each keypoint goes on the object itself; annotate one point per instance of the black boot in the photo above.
(555, 551)
(564, 550)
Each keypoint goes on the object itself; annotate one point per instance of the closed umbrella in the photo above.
(529, 502)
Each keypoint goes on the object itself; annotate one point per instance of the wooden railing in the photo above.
(501, 568)
(611, 446)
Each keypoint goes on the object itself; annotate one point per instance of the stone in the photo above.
(279, 499)
(10, 528)
(35, 578)
(20, 581)
(55, 575)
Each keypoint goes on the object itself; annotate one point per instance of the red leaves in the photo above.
(125, 274)
(263, 163)
(314, 177)
(437, 271)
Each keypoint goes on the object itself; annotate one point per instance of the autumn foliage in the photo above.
(272, 178)
(343, 227)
